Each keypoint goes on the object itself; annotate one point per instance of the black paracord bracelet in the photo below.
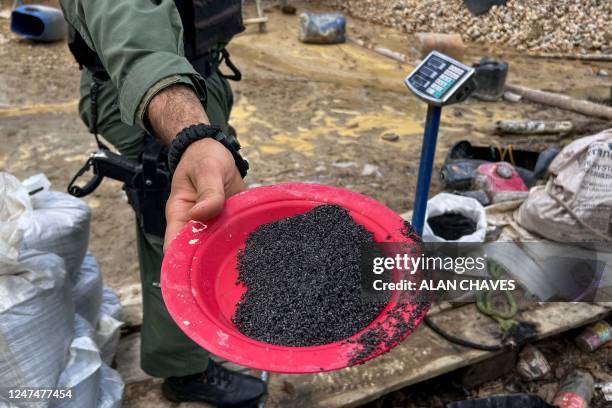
(202, 131)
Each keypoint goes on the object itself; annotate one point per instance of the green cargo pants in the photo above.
(165, 350)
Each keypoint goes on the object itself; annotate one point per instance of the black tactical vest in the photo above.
(206, 23)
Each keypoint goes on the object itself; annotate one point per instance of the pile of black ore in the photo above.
(303, 280)
(451, 226)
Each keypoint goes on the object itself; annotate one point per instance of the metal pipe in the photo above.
(428, 153)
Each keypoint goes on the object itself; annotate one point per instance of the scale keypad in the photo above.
(436, 77)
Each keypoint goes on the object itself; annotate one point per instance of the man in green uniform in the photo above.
(156, 73)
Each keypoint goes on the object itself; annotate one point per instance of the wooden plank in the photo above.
(423, 356)
(580, 57)
(385, 52)
(562, 102)
(255, 20)
(260, 14)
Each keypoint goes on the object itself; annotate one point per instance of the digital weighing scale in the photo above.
(439, 81)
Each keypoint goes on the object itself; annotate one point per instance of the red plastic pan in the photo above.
(199, 279)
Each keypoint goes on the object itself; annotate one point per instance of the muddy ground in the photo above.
(303, 113)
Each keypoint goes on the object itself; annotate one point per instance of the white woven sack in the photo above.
(36, 323)
(87, 290)
(15, 216)
(576, 203)
(109, 325)
(60, 226)
(93, 383)
(111, 388)
(82, 373)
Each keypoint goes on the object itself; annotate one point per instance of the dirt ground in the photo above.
(303, 113)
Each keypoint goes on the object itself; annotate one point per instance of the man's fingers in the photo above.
(238, 185)
(210, 192)
(177, 210)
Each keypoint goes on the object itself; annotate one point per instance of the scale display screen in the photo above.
(438, 77)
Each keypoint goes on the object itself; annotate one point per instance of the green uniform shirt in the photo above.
(140, 43)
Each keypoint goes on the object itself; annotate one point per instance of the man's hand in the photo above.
(206, 174)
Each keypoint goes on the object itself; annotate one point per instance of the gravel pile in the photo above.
(555, 26)
(303, 280)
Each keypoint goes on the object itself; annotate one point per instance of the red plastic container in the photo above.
(199, 277)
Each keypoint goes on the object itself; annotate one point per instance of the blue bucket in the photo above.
(39, 23)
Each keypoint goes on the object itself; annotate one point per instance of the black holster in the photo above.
(149, 206)
(146, 182)
(149, 198)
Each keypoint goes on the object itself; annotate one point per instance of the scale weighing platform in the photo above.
(439, 81)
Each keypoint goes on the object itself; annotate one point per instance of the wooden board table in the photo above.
(422, 356)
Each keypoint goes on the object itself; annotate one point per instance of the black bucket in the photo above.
(490, 79)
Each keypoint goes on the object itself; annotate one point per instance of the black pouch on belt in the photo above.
(148, 198)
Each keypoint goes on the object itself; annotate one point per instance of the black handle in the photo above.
(87, 189)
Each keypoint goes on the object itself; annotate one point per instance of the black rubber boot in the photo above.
(217, 386)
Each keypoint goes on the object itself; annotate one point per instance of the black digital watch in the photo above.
(202, 131)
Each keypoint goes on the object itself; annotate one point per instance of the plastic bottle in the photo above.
(576, 391)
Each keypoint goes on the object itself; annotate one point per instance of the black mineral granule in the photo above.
(409, 232)
(399, 320)
(376, 339)
(451, 226)
(303, 280)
